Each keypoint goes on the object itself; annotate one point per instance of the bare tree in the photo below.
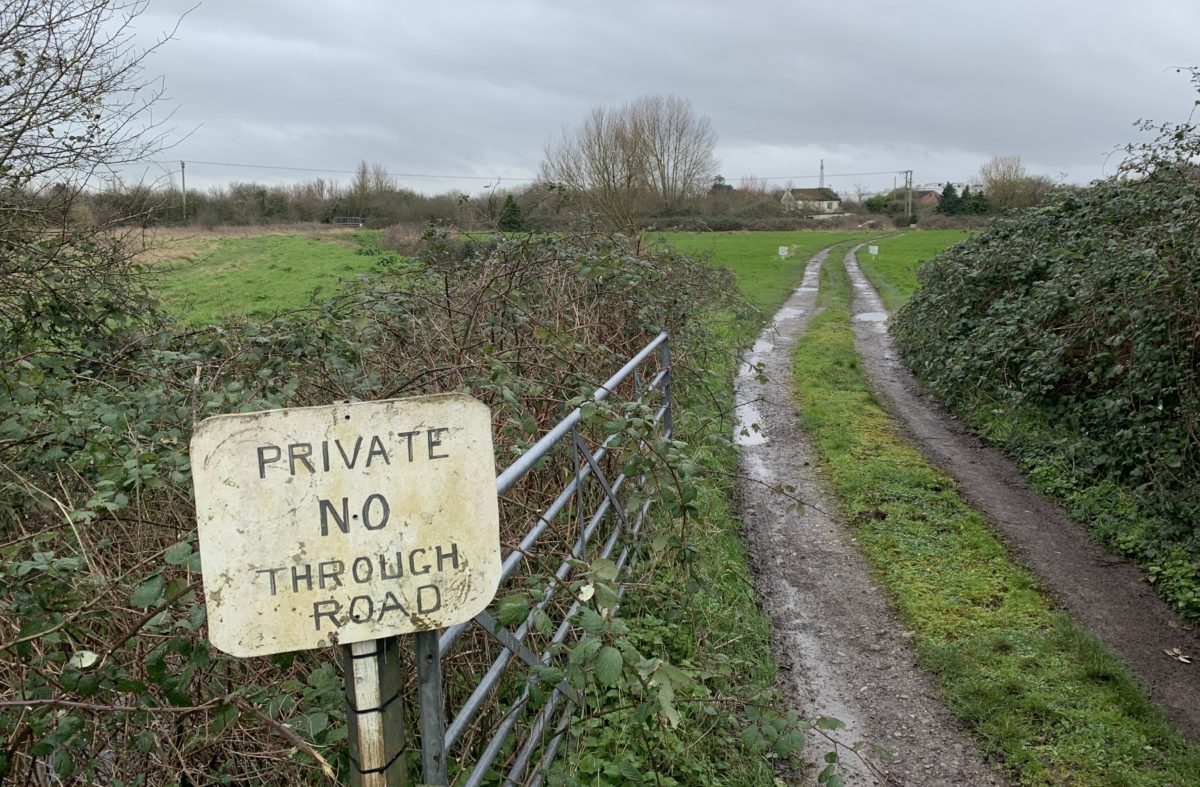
(361, 188)
(382, 181)
(1007, 184)
(74, 106)
(622, 162)
(73, 95)
(752, 184)
(678, 147)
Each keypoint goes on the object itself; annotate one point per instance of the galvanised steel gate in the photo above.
(604, 529)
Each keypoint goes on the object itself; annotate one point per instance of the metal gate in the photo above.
(605, 529)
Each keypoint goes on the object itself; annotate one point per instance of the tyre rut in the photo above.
(842, 652)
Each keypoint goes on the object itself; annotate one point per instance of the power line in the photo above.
(348, 171)
(436, 176)
(831, 175)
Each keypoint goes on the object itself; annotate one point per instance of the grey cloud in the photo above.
(477, 87)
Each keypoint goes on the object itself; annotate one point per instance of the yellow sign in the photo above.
(340, 524)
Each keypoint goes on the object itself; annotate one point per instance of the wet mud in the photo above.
(841, 650)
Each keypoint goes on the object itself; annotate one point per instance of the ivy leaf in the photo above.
(148, 593)
(608, 665)
(178, 554)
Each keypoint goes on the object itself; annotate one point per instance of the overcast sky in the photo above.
(474, 88)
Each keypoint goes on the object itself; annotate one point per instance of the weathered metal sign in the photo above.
(783, 251)
(340, 524)
(872, 250)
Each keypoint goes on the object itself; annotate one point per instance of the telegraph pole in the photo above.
(822, 183)
(183, 177)
(908, 184)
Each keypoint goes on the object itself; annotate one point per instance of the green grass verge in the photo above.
(1048, 454)
(260, 276)
(702, 614)
(893, 271)
(1040, 692)
(699, 614)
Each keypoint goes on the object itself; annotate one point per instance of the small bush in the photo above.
(404, 239)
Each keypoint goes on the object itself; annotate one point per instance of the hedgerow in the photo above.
(1073, 332)
(105, 671)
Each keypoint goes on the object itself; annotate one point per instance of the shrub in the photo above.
(100, 598)
(1083, 313)
(511, 219)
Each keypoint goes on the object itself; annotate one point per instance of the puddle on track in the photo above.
(749, 430)
(762, 345)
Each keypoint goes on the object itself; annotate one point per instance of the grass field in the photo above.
(764, 278)
(894, 270)
(259, 275)
(1039, 691)
(206, 277)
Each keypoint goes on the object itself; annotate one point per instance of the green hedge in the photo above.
(1072, 332)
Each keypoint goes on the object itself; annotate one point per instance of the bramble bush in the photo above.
(106, 674)
(1072, 331)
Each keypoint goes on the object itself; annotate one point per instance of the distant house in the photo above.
(927, 198)
(811, 201)
(921, 198)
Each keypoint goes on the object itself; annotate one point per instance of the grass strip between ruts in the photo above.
(1041, 693)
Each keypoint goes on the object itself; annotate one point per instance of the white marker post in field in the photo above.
(348, 525)
(783, 252)
(872, 250)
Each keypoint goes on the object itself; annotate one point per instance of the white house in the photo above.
(813, 201)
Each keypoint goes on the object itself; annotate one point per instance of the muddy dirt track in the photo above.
(841, 650)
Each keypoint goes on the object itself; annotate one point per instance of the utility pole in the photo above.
(822, 183)
(183, 177)
(908, 185)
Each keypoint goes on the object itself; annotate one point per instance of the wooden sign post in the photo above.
(348, 525)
